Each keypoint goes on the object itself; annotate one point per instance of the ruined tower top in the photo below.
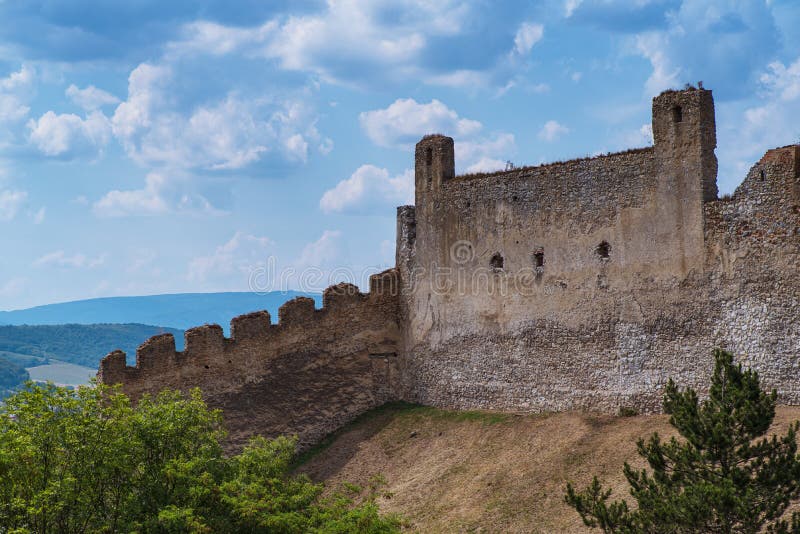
(684, 129)
(434, 163)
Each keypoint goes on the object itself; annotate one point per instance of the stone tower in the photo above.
(434, 164)
(685, 135)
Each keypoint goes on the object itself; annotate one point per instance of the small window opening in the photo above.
(677, 114)
(497, 262)
(205, 366)
(515, 198)
(763, 175)
(538, 259)
(603, 250)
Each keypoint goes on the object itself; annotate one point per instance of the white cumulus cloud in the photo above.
(527, 35)
(721, 42)
(745, 133)
(486, 154)
(782, 80)
(369, 189)
(232, 261)
(206, 37)
(18, 80)
(552, 131)
(146, 93)
(90, 98)
(10, 203)
(665, 74)
(68, 135)
(352, 40)
(230, 133)
(322, 253)
(405, 121)
(146, 201)
(14, 93)
(357, 43)
(570, 6)
(161, 194)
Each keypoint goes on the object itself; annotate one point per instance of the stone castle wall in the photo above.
(587, 284)
(577, 285)
(309, 374)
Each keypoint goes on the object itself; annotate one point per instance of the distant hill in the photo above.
(182, 310)
(30, 346)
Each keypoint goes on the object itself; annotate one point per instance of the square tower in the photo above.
(434, 163)
(685, 134)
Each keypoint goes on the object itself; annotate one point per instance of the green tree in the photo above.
(89, 461)
(724, 476)
(12, 376)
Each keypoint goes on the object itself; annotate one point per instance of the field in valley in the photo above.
(62, 374)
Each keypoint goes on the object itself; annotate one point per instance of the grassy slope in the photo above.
(479, 472)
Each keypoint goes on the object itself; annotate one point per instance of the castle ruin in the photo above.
(577, 285)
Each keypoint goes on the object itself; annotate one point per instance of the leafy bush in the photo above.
(89, 461)
(725, 476)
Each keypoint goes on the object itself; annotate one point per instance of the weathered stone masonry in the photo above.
(309, 374)
(576, 285)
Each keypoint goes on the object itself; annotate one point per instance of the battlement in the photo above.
(251, 325)
(349, 343)
(149, 353)
(297, 312)
(158, 353)
(342, 296)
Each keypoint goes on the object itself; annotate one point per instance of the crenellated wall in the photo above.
(583, 284)
(309, 374)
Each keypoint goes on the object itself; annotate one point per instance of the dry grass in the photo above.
(485, 472)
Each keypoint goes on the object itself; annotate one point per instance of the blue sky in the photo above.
(151, 147)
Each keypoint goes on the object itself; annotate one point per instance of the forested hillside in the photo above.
(11, 376)
(28, 346)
